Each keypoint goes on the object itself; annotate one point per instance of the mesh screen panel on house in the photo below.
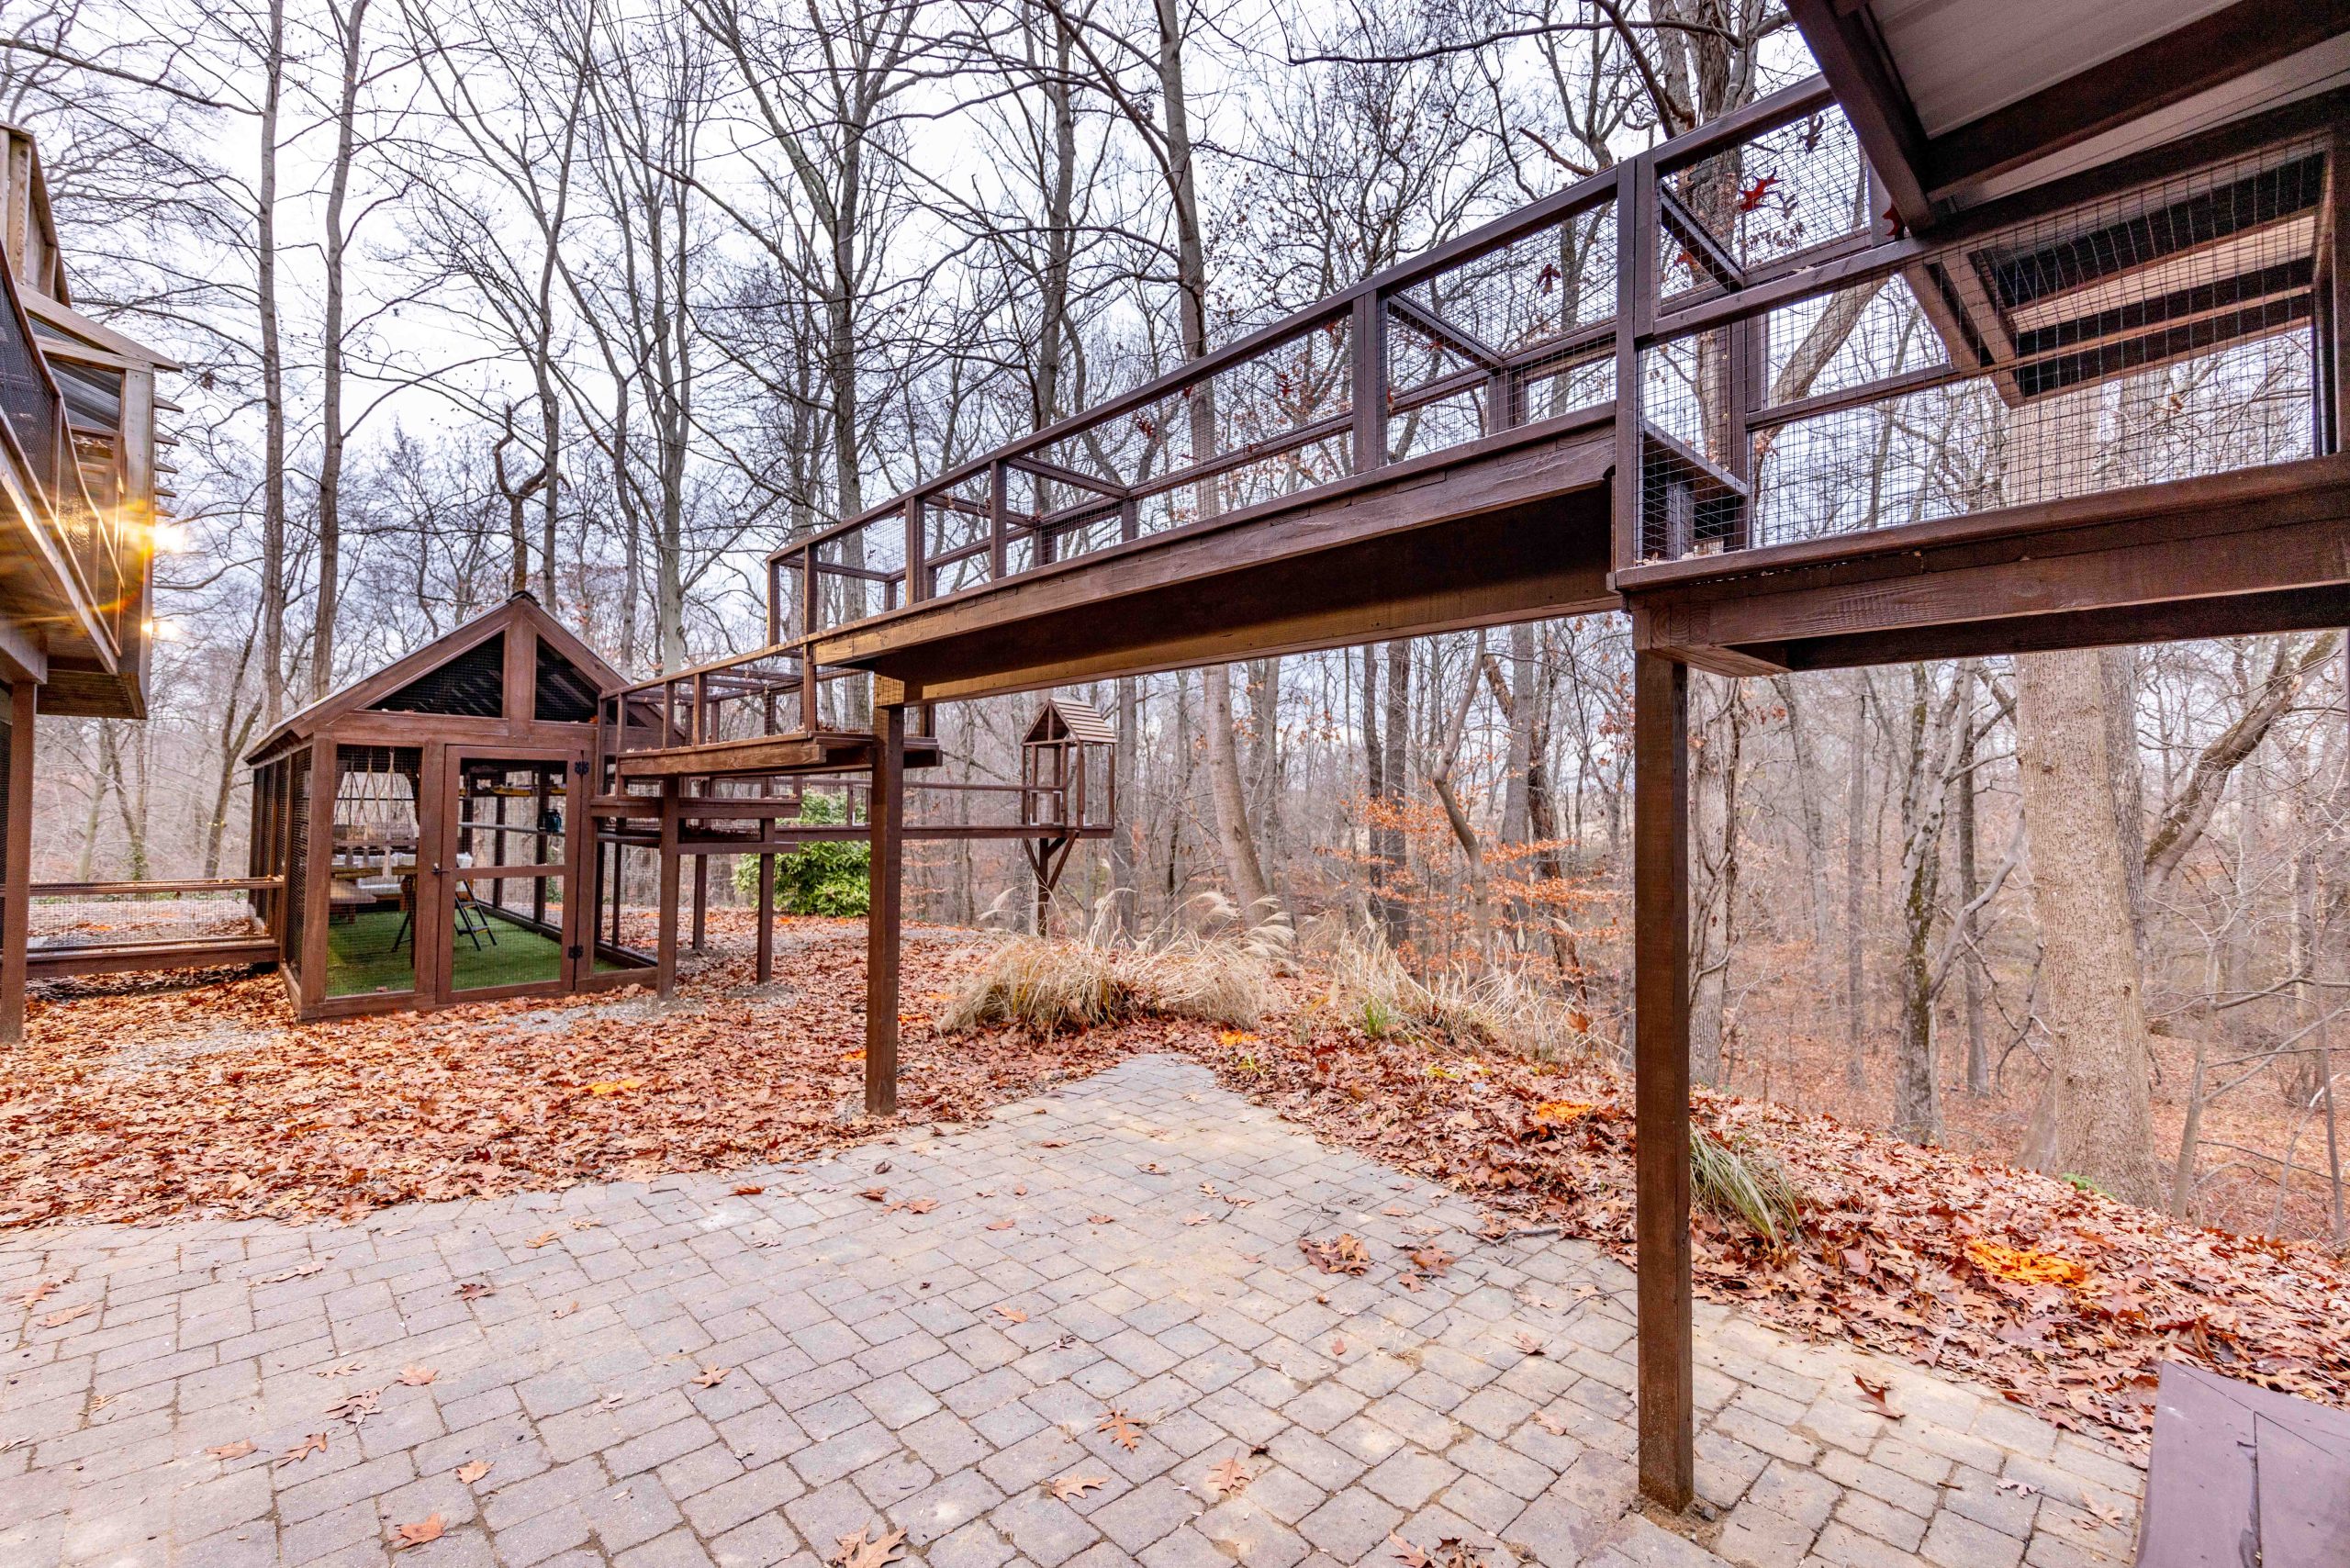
(472, 685)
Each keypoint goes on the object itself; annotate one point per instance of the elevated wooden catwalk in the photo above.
(1808, 387)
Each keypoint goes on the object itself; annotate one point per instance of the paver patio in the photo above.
(930, 1359)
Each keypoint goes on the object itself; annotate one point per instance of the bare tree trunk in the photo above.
(1480, 913)
(1234, 842)
(331, 432)
(1394, 768)
(272, 381)
(2097, 1113)
(1978, 1055)
(1809, 791)
(1855, 845)
(1937, 735)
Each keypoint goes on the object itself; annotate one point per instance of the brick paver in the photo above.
(687, 1371)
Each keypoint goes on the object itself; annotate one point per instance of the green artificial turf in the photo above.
(360, 958)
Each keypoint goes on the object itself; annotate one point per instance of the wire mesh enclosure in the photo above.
(2167, 332)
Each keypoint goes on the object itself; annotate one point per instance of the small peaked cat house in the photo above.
(430, 822)
(1069, 787)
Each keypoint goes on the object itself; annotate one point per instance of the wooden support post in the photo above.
(1635, 314)
(17, 896)
(701, 902)
(2333, 350)
(885, 816)
(665, 968)
(766, 915)
(999, 522)
(1661, 1074)
(1368, 392)
(917, 550)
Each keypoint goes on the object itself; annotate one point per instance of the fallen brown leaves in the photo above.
(1342, 1254)
(473, 1470)
(1125, 1430)
(2065, 1301)
(1228, 1476)
(245, 1114)
(422, 1533)
(1070, 1487)
(857, 1551)
(315, 1443)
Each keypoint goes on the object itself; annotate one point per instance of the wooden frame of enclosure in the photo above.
(510, 691)
(1046, 562)
(734, 783)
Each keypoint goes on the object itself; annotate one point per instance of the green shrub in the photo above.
(830, 876)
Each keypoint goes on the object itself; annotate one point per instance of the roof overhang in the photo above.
(1958, 102)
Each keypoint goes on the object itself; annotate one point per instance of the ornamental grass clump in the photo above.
(1746, 1185)
(1223, 975)
(1502, 1008)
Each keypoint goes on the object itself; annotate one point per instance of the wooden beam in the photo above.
(885, 813)
(16, 892)
(1845, 46)
(2206, 53)
(1661, 1077)
(130, 958)
(1544, 558)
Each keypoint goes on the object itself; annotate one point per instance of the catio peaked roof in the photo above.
(463, 672)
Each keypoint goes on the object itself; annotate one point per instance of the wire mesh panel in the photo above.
(1757, 202)
(2162, 334)
(1499, 339)
(297, 856)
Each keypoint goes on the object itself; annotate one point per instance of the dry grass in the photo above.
(1741, 1182)
(1370, 989)
(1223, 975)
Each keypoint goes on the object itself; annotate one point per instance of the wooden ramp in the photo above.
(2244, 1477)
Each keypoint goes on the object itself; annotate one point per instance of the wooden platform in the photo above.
(2244, 1477)
(826, 751)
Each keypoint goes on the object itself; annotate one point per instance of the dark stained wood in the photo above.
(2201, 1509)
(1545, 559)
(1635, 313)
(665, 966)
(2203, 54)
(317, 910)
(129, 957)
(2334, 293)
(1844, 44)
(347, 712)
(886, 878)
(764, 892)
(2272, 537)
(2304, 1495)
(767, 756)
(2242, 1474)
(1046, 620)
(16, 893)
(1660, 1076)
(192, 885)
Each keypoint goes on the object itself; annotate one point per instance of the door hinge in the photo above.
(576, 951)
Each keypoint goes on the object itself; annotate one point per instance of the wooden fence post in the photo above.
(15, 900)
